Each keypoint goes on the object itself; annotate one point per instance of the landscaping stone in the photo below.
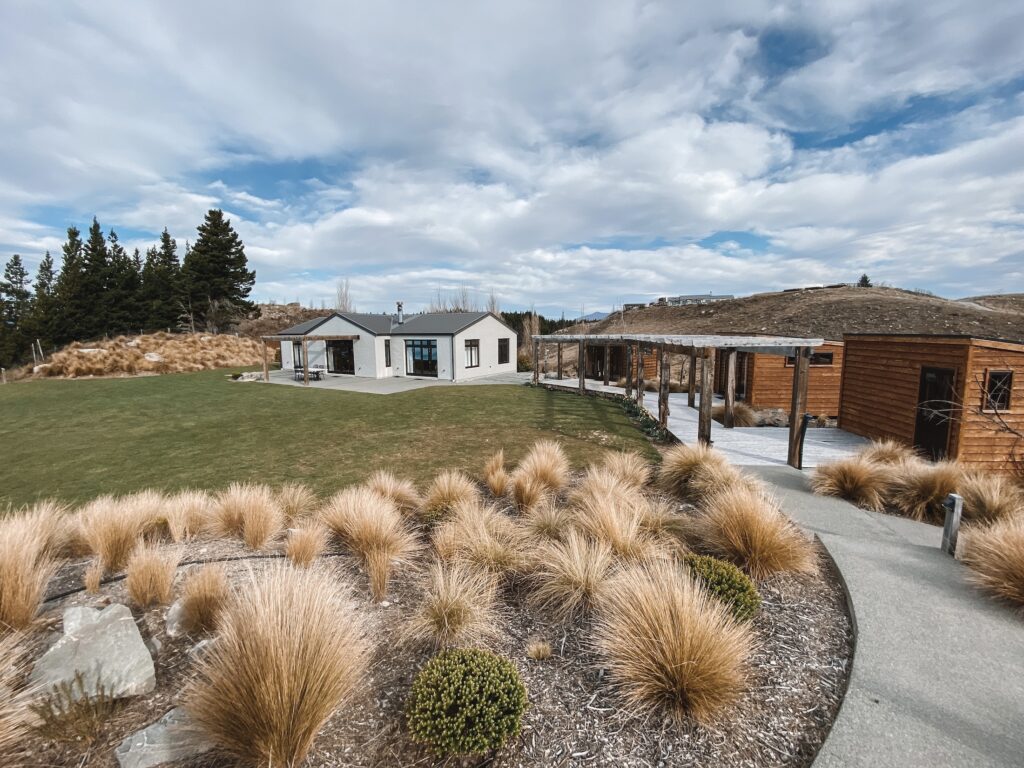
(173, 619)
(154, 357)
(171, 738)
(250, 376)
(105, 647)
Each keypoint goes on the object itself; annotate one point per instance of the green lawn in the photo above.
(77, 439)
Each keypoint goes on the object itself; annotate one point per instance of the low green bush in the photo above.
(466, 701)
(726, 582)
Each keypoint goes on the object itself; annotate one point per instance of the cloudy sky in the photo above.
(563, 154)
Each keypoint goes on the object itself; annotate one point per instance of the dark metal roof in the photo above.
(303, 328)
(425, 324)
(378, 325)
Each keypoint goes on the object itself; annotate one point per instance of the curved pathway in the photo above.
(938, 672)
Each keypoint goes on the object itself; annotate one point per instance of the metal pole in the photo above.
(954, 505)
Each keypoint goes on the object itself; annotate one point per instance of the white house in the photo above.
(446, 345)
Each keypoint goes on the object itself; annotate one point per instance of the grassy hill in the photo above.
(829, 313)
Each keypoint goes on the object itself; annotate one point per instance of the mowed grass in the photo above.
(75, 440)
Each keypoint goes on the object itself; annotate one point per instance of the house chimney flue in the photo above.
(401, 315)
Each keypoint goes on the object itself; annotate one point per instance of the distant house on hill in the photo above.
(690, 299)
(444, 345)
(945, 395)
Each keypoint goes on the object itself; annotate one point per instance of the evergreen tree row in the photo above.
(101, 290)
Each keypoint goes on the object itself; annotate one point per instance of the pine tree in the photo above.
(865, 281)
(216, 275)
(43, 320)
(69, 290)
(161, 284)
(123, 287)
(95, 284)
(15, 304)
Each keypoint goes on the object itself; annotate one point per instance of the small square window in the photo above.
(472, 353)
(998, 387)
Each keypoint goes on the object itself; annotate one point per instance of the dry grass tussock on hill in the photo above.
(152, 353)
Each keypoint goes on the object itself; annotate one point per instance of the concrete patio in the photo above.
(391, 385)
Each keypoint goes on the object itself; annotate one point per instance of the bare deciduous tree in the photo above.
(492, 304)
(342, 297)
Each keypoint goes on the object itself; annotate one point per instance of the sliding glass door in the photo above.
(421, 357)
(340, 357)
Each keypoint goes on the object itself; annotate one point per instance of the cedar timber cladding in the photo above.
(770, 381)
(881, 385)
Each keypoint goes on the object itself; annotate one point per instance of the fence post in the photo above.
(954, 505)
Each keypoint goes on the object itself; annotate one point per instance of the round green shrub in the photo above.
(466, 701)
(726, 582)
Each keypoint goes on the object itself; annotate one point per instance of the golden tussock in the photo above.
(188, 514)
(92, 579)
(305, 545)
(995, 555)
(745, 526)
(527, 491)
(402, 492)
(291, 650)
(495, 476)
(150, 575)
(919, 488)
(538, 650)
(297, 502)
(448, 489)
(457, 607)
(859, 481)
(681, 461)
(249, 511)
(371, 526)
(204, 596)
(988, 497)
(668, 645)
(547, 521)
(546, 463)
(568, 574)
(111, 530)
(743, 415)
(26, 565)
(888, 452)
(629, 468)
(482, 536)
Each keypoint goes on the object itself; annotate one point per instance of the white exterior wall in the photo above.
(488, 331)
(364, 349)
(444, 354)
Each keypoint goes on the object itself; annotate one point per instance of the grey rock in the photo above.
(173, 737)
(173, 619)
(78, 617)
(155, 646)
(107, 651)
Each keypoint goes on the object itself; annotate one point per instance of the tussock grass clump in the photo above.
(25, 569)
(46, 527)
(681, 461)
(528, 492)
(305, 545)
(669, 645)
(539, 650)
(616, 518)
(482, 536)
(919, 488)
(111, 532)
(742, 414)
(290, 650)
(726, 582)
(709, 479)
(466, 702)
(495, 476)
(888, 452)
(995, 555)
(297, 502)
(547, 521)
(371, 526)
(458, 607)
(746, 527)
(188, 513)
(856, 479)
(988, 497)
(204, 596)
(448, 489)
(546, 463)
(150, 575)
(568, 575)
(402, 492)
(249, 511)
(628, 468)
(73, 712)
(149, 510)
(16, 717)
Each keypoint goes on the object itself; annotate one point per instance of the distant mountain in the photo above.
(593, 317)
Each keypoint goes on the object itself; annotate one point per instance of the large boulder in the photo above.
(105, 648)
(171, 738)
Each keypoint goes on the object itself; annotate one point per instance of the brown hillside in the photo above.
(1007, 302)
(823, 312)
(276, 317)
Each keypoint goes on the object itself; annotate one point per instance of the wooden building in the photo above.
(945, 395)
(616, 361)
(766, 381)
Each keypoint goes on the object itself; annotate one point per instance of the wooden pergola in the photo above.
(700, 350)
(305, 350)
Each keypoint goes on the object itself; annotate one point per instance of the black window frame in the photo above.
(1004, 394)
(387, 353)
(815, 361)
(472, 344)
(297, 352)
(503, 351)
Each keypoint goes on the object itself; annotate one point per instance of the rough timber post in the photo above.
(682, 370)
(536, 361)
(607, 362)
(798, 405)
(266, 364)
(691, 388)
(581, 363)
(559, 345)
(629, 371)
(663, 389)
(640, 373)
(707, 372)
(305, 362)
(729, 416)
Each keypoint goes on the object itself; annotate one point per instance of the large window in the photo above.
(817, 359)
(998, 387)
(421, 357)
(472, 353)
(502, 351)
(387, 353)
(297, 354)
